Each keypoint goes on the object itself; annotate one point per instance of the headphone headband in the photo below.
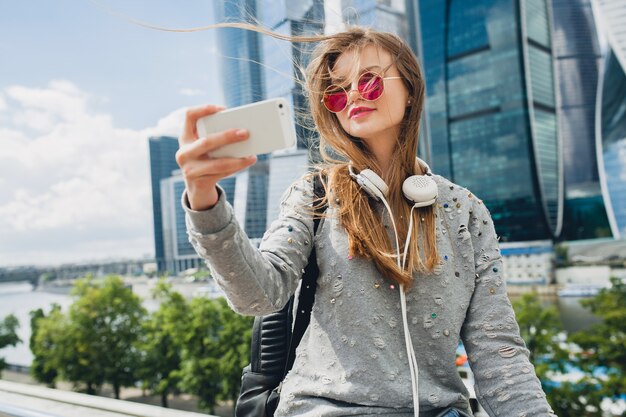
(421, 190)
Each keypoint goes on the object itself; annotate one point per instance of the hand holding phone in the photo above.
(201, 172)
(268, 122)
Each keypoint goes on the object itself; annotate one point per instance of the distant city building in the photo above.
(162, 163)
(611, 113)
(243, 83)
(528, 262)
(285, 61)
(384, 15)
(578, 57)
(491, 103)
(178, 253)
(240, 50)
(285, 168)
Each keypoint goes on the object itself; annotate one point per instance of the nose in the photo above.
(353, 95)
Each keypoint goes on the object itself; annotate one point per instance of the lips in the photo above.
(360, 111)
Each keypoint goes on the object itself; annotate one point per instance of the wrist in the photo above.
(201, 201)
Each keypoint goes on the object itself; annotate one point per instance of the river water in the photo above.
(19, 299)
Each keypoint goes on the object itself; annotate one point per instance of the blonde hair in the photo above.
(367, 235)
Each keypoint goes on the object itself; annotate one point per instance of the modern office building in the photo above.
(611, 113)
(385, 15)
(178, 254)
(285, 61)
(240, 50)
(243, 80)
(526, 263)
(285, 168)
(162, 163)
(577, 53)
(491, 104)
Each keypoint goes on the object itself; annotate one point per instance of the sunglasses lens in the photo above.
(334, 100)
(370, 86)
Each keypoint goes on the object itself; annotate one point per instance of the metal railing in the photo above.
(22, 400)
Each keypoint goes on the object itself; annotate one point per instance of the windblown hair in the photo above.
(367, 235)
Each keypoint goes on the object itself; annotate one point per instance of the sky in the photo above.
(81, 91)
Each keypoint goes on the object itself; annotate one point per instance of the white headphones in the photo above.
(419, 189)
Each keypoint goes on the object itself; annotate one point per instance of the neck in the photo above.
(382, 147)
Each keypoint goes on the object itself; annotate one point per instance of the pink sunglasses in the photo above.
(370, 87)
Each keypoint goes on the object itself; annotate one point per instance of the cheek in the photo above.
(344, 121)
(394, 111)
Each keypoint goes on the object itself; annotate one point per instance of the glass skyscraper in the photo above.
(577, 59)
(162, 163)
(611, 113)
(384, 15)
(242, 73)
(243, 81)
(491, 104)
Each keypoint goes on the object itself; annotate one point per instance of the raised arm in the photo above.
(256, 281)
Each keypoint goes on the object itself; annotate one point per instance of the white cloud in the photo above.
(72, 185)
(170, 125)
(191, 92)
(3, 103)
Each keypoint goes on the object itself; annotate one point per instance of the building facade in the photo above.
(178, 254)
(611, 113)
(491, 108)
(241, 55)
(285, 168)
(162, 151)
(577, 53)
(525, 263)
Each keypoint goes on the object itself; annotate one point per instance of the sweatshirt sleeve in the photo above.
(505, 381)
(256, 281)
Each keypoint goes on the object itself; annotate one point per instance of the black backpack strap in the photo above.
(309, 282)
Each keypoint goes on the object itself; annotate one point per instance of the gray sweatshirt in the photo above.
(352, 359)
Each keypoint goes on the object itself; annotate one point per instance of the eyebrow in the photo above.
(341, 79)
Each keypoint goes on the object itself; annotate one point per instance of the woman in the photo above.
(386, 321)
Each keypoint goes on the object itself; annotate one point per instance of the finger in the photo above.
(199, 149)
(203, 146)
(218, 168)
(191, 117)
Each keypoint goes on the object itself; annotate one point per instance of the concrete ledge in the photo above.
(85, 402)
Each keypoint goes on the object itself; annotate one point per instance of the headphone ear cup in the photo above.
(372, 183)
(420, 189)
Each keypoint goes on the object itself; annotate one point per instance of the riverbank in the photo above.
(178, 402)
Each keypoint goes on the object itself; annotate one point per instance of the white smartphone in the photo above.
(269, 123)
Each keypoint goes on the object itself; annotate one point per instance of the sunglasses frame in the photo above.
(347, 92)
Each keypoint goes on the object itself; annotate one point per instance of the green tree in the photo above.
(234, 335)
(40, 368)
(540, 328)
(8, 335)
(57, 352)
(604, 344)
(200, 367)
(217, 347)
(106, 321)
(161, 342)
